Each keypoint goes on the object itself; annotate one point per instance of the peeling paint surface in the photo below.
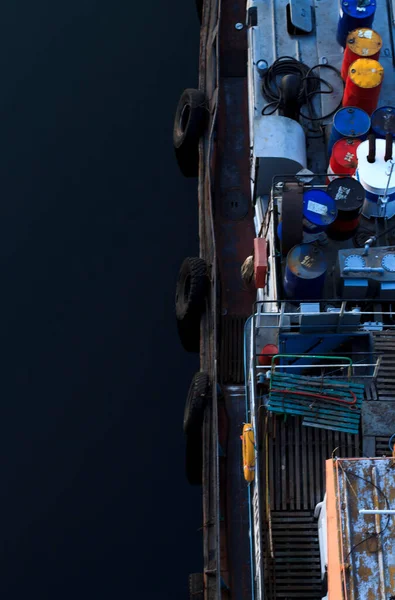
(366, 542)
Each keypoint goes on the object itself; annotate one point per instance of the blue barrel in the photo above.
(305, 272)
(383, 121)
(319, 211)
(349, 122)
(280, 231)
(354, 14)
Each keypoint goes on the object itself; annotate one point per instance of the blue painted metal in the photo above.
(305, 272)
(354, 14)
(317, 412)
(319, 210)
(383, 121)
(349, 122)
(295, 345)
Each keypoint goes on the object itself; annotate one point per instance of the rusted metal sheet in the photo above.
(233, 210)
(365, 541)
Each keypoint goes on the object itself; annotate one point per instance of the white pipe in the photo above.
(365, 511)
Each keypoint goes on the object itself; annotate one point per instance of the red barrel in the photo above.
(363, 84)
(344, 157)
(361, 43)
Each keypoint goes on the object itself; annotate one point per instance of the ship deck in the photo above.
(292, 456)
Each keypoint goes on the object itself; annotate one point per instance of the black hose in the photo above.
(388, 147)
(309, 87)
(372, 148)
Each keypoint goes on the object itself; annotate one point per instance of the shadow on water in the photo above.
(94, 222)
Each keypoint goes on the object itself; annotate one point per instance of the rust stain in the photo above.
(365, 572)
(371, 594)
(391, 572)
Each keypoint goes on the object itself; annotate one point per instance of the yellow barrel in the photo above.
(363, 85)
(248, 440)
(361, 43)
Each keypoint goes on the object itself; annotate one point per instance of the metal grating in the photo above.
(297, 456)
(296, 566)
(382, 447)
(384, 344)
(286, 398)
(231, 363)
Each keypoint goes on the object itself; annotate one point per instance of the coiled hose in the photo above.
(310, 85)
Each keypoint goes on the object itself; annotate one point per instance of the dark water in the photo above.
(94, 222)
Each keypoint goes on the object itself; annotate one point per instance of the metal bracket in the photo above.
(301, 15)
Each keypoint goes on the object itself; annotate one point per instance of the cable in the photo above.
(375, 534)
(391, 443)
(310, 85)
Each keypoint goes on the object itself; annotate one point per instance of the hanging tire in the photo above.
(194, 458)
(189, 124)
(197, 398)
(191, 292)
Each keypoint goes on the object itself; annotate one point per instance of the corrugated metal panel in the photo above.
(285, 398)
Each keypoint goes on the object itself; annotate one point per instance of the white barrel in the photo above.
(377, 180)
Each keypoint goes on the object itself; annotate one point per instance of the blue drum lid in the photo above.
(306, 261)
(319, 208)
(353, 8)
(351, 121)
(383, 120)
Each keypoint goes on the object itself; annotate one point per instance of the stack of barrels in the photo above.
(363, 77)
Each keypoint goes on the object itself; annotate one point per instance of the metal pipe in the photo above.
(377, 522)
(388, 146)
(367, 511)
(379, 270)
(372, 148)
(368, 243)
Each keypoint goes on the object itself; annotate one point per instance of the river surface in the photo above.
(95, 220)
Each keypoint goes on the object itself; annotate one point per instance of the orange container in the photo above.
(361, 43)
(363, 84)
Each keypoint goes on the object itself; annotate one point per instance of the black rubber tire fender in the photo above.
(191, 289)
(189, 334)
(197, 398)
(190, 120)
(194, 458)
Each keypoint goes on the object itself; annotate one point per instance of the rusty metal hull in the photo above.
(226, 232)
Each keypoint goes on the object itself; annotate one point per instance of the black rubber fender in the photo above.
(197, 399)
(191, 288)
(191, 292)
(189, 124)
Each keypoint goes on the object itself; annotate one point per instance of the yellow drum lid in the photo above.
(364, 42)
(366, 73)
